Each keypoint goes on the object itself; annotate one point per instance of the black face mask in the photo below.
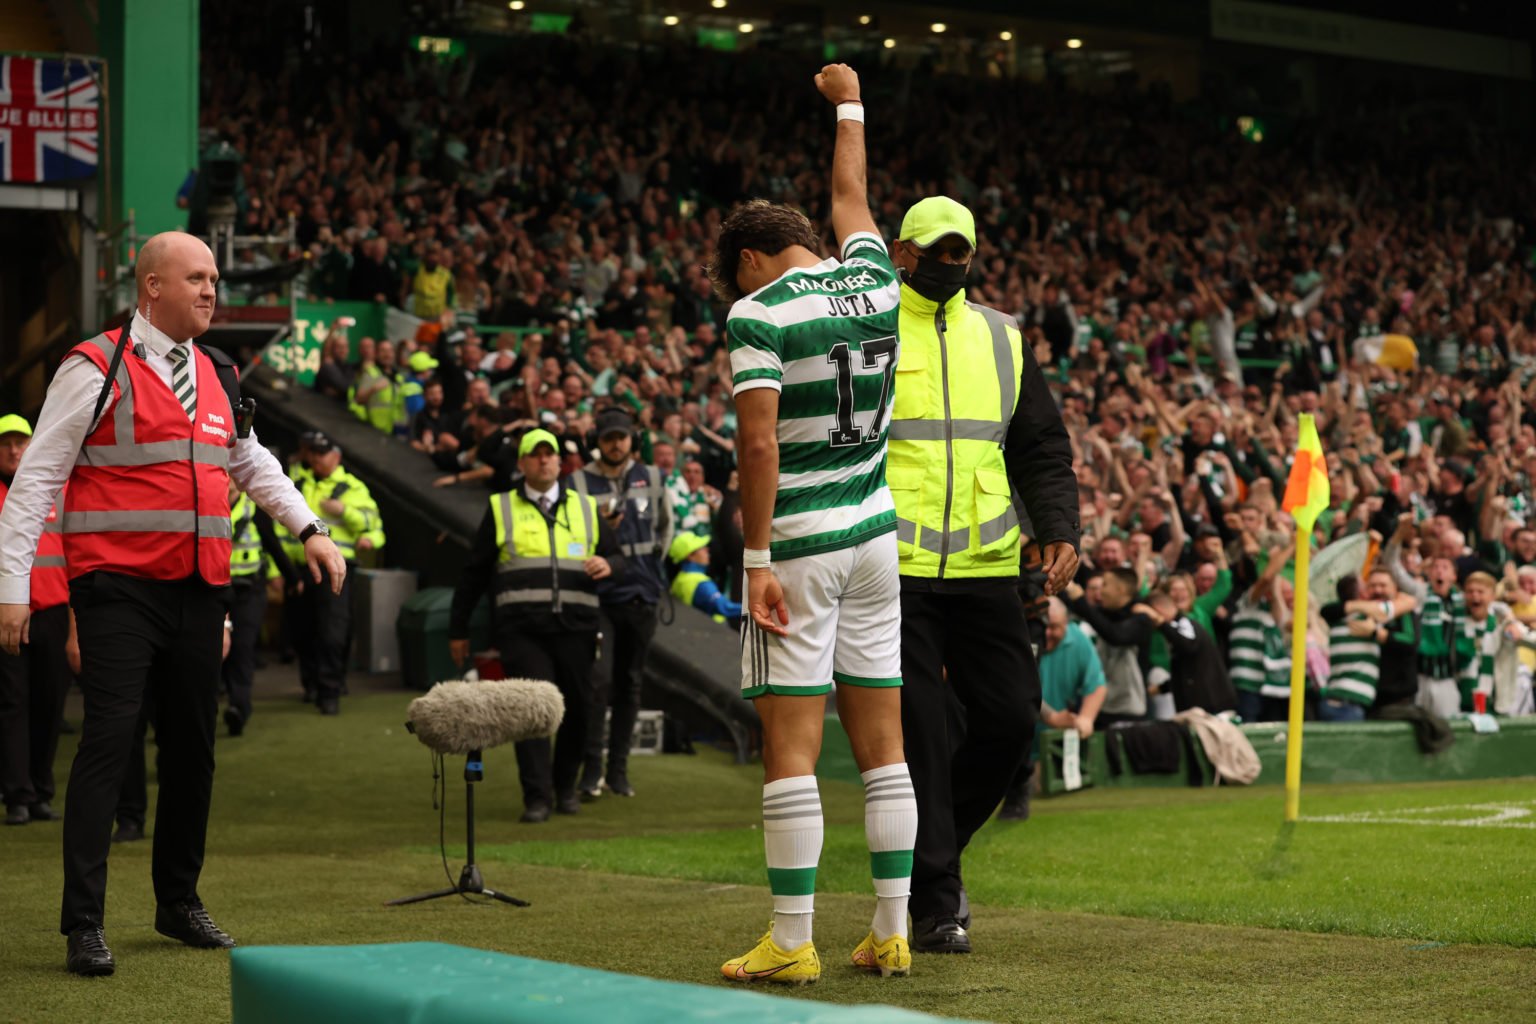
(935, 279)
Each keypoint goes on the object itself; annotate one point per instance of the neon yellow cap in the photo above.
(935, 217)
(14, 424)
(534, 438)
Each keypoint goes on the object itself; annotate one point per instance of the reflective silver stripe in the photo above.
(639, 550)
(906, 531)
(1002, 353)
(151, 453)
(995, 530)
(963, 430)
(147, 521)
(520, 563)
(586, 515)
(579, 482)
(505, 500)
(544, 597)
(54, 525)
(49, 562)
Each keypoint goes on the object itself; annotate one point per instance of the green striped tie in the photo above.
(181, 379)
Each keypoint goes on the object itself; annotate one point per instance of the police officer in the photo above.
(252, 542)
(974, 428)
(33, 683)
(141, 425)
(352, 519)
(542, 548)
(630, 498)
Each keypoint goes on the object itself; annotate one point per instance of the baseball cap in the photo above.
(534, 438)
(685, 544)
(14, 424)
(422, 362)
(936, 217)
(614, 421)
(320, 443)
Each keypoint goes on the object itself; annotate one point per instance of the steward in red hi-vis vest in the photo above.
(149, 494)
(50, 585)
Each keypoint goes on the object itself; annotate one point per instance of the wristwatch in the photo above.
(315, 529)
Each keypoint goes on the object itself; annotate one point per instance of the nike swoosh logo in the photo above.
(742, 974)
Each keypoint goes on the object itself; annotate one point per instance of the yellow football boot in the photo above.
(892, 956)
(767, 962)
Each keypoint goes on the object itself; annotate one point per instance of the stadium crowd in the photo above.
(1188, 293)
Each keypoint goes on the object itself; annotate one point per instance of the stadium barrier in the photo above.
(437, 983)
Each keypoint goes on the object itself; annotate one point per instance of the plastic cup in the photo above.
(1480, 703)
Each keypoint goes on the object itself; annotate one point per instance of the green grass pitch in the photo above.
(1387, 903)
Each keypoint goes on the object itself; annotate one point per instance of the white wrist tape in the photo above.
(756, 558)
(850, 112)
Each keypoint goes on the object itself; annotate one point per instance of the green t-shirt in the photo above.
(1071, 672)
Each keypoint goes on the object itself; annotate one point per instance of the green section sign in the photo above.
(298, 355)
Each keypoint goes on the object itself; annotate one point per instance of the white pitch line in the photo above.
(1512, 814)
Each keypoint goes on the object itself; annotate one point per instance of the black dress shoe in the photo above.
(88, 954)
(329, 706)
(568, 804)
(187, 922)
(17, 814)
(940, 935)
(235, 721)
(618, 782)
(43, 811)
(128, 832)
(535, 814)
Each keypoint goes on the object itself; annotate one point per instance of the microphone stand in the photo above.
(470, 882)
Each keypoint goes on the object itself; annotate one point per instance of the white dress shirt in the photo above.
(61, 430)
(535, 496)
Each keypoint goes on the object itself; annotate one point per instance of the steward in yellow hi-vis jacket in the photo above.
(352, 520)
(541, 549)
(975, 438)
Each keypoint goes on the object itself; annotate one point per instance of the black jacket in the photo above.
(1197, 675)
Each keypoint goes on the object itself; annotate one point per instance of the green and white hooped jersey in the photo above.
(825, 338)
(1354, 666)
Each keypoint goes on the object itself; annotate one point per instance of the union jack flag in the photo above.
(48, 119)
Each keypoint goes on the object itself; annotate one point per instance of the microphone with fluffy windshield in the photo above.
(459, 717)
(466, 718)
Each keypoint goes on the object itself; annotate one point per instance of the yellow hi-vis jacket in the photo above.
(956, 388)
(245, 545)
(541, 560)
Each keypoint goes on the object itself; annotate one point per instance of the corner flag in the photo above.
(1306, 495)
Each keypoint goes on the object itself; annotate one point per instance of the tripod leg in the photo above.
(505, 898)
(423, 897)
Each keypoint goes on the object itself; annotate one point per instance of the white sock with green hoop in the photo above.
(792, 829)
(890, 825)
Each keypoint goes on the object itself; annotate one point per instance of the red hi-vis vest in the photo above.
(50, 585)
(149, 494)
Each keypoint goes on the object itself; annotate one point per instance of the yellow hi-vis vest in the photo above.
(956, 388)
(540, 560)
(245, 545)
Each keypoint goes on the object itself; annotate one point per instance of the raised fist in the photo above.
(839, 84)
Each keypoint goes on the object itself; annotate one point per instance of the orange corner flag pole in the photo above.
(1306, 496)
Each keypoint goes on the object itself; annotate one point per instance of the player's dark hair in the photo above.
(756, 224)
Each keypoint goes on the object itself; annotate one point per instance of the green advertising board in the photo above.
(298, 355)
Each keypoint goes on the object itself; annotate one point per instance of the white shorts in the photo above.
(844, 624)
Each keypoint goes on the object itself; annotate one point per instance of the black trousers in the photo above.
(628, 630)
(565, 659)
(139, 636)
(325, 636)
(969, 699)
(133, 801)
(32, 688)
(247, 609)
